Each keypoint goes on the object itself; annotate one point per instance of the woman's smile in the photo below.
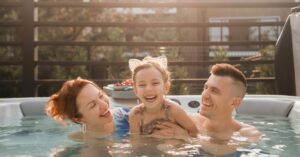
(106, 114)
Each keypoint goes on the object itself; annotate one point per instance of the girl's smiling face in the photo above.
(150, 87)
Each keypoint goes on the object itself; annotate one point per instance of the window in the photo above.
(242, 33)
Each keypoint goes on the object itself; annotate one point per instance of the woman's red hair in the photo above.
(62, 105)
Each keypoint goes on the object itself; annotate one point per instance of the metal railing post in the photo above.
(28, 84)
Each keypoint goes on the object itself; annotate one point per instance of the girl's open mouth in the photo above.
(150, 98)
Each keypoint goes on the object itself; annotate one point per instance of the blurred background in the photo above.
(45, 42)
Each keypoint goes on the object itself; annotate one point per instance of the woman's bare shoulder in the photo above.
(76, 136)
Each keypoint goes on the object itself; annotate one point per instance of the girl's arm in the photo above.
(134, 120)
(182, 118)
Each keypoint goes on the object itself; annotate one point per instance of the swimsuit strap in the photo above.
(166, 108)
(141, 111)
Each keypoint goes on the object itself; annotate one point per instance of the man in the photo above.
(222, 93)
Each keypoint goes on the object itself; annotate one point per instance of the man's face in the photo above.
(217, 97)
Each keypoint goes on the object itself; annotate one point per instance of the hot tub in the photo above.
(27, 131)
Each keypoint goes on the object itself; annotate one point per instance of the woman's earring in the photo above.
(83, 128)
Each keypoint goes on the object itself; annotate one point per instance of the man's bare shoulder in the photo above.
(198, 120)
(196, 117)
(251, 132)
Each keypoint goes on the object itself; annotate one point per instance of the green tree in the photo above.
(10, 53)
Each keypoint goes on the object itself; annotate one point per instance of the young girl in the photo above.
(151, 83)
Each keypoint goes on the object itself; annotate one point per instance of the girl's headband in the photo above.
(161, 61)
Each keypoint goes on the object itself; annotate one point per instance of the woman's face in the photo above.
(93, 105)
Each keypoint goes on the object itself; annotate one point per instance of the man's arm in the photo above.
(216, 147)
(248, 134)
(170, 130)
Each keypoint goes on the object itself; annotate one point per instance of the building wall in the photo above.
(201, 53)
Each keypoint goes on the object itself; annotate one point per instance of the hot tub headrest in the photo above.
(33, 107)
(265, 106)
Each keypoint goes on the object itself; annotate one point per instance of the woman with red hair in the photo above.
(83, 102)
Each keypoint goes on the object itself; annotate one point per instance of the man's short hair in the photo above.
(229, 70)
